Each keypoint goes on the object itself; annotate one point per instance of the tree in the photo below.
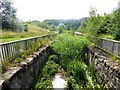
(8, 16)
(116, 15)
(26, 28)
(61, 27)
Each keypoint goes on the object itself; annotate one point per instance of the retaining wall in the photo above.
(22, 77)
(108, 70)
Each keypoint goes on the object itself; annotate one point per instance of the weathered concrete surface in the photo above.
(22, 77)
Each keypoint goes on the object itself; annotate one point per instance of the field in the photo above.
(7, 36)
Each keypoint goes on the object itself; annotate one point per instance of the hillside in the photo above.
(69, 23)
(33, 30)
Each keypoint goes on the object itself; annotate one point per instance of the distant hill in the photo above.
(69, 23)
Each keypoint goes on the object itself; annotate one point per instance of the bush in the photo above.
(26, 28)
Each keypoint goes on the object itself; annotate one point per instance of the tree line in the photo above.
(59, 25)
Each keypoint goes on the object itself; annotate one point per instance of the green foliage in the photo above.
(9, 19)
(71, 52)
(77, 70)
(22, 53)
(96, 25)
(61, 27)
(107, 36)
(70, 47)
(81, 76)
(50, 69)
(70, 23)
(26, 28)
(116, 20)
(46, 73)
(43, 84)
(93, 23)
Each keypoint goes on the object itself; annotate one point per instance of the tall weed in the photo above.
(71, 53)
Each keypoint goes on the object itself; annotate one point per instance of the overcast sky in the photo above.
(60, 9)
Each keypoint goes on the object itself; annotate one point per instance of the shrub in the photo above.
(69, 47)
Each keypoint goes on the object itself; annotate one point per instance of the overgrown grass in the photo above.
(7, 36)
(44, 80)
(70, 53)
(71, 47)
(107, 36)
(23, 54)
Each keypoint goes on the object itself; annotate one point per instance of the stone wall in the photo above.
(21, 77)
(108, 70)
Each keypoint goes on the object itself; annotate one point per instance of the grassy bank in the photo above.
(7, 36)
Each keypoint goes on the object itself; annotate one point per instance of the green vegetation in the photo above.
(9, 19)
(69, 53)
(106, 26)
(33, 31)
(70, 23)
(22, 54)
(12, 28)
(70, 47)
(44, 80)
(59, 25)
(72, 56)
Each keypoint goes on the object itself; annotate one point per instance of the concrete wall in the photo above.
(22, 77)
(108, 70)
(110, 46)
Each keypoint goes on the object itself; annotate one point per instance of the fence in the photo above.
(111, 46)
(10, 49)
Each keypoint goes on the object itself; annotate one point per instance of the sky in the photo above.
(61, 9)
